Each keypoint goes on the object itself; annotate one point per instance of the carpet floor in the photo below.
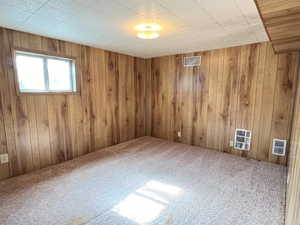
(148, 181)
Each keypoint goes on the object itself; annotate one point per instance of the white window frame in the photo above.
(45, 57)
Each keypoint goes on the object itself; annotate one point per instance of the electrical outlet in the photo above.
(179, 133)
(3, 158)
(231, 143)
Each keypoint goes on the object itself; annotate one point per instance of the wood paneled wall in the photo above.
(282, 21)
(124, 97)
(242, 87)
(40, 130)
(293, 189)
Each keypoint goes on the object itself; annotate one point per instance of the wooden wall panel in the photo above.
(4, 169)
(293, 188)
(242, 87)
(282, 21)
(41, 130)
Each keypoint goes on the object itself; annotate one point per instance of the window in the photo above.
(39, 73)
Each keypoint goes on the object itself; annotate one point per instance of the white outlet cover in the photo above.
(4, 158)
(179, 133)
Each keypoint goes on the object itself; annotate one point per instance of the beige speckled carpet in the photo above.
(148, 181)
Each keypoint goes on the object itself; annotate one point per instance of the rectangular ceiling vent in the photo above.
(279, 147)
(192, 61)
(242, 139)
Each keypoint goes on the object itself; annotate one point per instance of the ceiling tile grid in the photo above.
(189, 25)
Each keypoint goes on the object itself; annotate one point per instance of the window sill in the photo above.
(48, 93)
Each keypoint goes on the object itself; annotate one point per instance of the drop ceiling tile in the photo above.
(12, 17)
(24, 5)
(226, 15)
(64, 29)
(260, 33)
(67, 6)
(105, 7)
(191, 13)
(152, 12)
(143, 6)
(48, 16)
(249, 10)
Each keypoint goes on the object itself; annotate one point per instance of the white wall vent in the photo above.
(242, 139)
(192, 61)
(279, 147)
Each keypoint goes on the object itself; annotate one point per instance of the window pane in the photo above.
(59, 72)
(30, 73)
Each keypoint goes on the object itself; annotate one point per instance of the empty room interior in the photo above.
(149, 112)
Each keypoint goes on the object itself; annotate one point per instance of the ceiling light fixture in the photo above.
(148, 31)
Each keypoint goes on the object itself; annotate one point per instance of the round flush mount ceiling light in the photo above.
(148, 35)
(148, 31)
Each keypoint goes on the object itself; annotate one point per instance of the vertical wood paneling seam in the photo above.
(274, 99)
(294, 102)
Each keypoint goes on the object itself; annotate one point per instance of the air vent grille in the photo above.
(192, 61)
(279, 147)
(242, 139)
